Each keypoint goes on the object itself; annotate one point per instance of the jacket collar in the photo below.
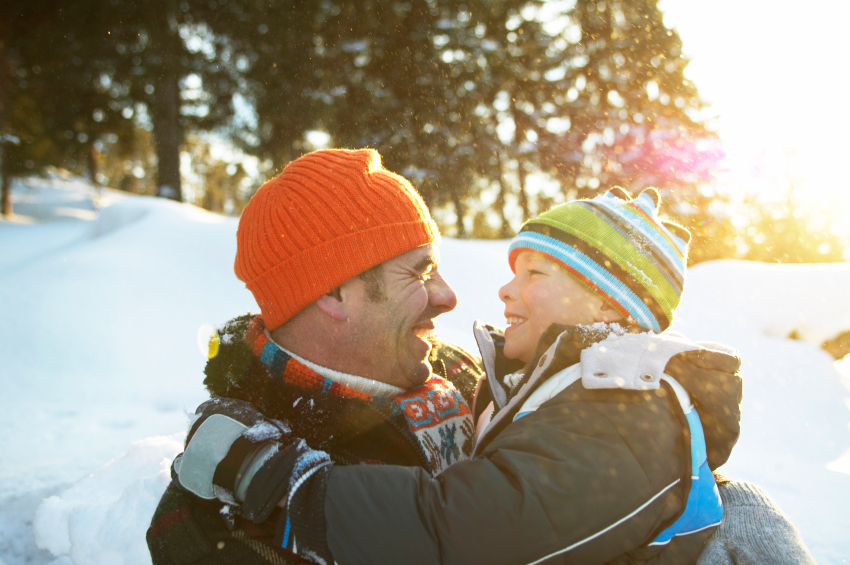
(708, 371)
(571, 340)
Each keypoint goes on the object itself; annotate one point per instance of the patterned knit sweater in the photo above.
(429, 426)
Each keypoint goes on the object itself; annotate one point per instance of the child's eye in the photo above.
(534, 272)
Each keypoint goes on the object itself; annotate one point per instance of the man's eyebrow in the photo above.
(430, 260)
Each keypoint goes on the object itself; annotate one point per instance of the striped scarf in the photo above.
(435, 412)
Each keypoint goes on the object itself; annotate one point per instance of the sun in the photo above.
(774, 78)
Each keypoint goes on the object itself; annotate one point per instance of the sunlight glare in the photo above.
(772, 93)
(208, 341)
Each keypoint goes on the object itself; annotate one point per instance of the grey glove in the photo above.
(230, 436)
(237, 456)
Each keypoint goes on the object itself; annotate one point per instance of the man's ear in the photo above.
(333, 304)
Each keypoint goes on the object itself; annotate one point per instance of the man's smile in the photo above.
(424, 330)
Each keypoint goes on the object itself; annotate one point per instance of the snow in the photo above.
(98, 520)
(264, 431)
(108, 299)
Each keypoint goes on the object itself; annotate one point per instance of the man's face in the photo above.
(391, 334)
(540, 294)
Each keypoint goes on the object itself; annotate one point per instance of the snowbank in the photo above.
(100, 338)
(758, 299)
(795, 439)
(99, 519)
(99, 348)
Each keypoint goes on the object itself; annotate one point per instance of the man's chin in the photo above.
(419, 373)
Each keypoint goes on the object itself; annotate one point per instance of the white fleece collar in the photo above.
(635, 361)
(361, 384)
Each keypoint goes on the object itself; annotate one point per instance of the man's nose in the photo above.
(440, 294)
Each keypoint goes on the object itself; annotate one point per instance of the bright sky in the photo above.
(777, 73)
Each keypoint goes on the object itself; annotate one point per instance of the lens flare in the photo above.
(208, 341)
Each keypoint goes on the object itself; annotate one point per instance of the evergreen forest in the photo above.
(495, 110)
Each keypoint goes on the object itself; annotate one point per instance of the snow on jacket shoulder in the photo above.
(591, 475)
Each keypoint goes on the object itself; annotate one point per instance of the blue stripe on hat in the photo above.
(672, 243)
(588, 268)
(646, 204)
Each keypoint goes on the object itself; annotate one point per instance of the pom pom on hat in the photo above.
(618, 248)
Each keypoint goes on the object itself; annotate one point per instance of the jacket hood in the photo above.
(713, 379)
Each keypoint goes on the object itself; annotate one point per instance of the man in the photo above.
(340, 255)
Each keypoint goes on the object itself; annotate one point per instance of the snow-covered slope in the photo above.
(102, 296)
(795, 439)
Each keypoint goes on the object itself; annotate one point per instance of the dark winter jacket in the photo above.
(351, 427)
(589, 476)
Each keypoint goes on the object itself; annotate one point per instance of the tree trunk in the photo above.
(519, 135)
(523, 195)
(505, 230)
(168, 135)
(460, 210)
(165, 103)
(91, 161)
(5, 181)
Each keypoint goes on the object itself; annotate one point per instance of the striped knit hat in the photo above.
(619, 249)
(329, 216)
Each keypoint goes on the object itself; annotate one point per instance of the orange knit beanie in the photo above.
(329, 216)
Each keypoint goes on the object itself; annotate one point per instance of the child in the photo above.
(602, 276)
(589, 448)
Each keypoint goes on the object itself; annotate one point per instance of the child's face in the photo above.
(540, 294)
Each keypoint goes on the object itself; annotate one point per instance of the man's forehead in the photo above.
(429, 254)
(420, 257)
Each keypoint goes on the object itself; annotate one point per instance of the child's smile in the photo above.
(541, 294)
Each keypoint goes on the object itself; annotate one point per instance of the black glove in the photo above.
(298, 476)
(237, 456)
(222, 425)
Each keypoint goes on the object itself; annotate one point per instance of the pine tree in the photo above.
(272, 48)
(161, 46)
(600, 102)
(70, 90)
(73, 70)
(514, 51)
(389, 75)
(632, 113)
(404, 82)
(26, 140)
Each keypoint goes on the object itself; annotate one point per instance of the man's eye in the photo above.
(425, 276)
